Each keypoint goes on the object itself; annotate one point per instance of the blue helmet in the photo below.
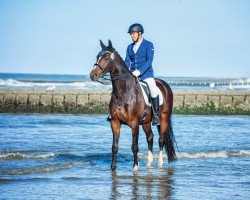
(136, 28)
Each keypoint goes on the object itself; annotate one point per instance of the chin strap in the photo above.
(137, 37)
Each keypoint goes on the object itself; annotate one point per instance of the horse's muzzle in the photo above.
(94, 77)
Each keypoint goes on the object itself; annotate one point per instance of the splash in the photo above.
(204, 155)
(239, 84)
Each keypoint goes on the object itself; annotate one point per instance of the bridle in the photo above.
(108, 63)
(103, 68)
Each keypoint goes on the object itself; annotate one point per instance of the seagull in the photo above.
(51, 88)
(230, 86)
(212, 85)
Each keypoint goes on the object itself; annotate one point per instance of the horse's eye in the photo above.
(99, 59)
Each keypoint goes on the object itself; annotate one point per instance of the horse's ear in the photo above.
(110, 45)
(102, 45)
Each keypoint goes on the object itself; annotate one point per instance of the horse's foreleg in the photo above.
(135, 149)
(147, 129)
(116, 126)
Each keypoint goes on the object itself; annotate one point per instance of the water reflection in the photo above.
(154, 184)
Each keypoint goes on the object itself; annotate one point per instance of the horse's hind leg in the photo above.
(162, 129)
(167, 139)
(150, 136)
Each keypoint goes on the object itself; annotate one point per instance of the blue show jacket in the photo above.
(141, 60)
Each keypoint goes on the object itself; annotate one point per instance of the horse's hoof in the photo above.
(150, 158)
(136, 169)
(160, 160)
(160, 163)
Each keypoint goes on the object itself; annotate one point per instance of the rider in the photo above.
(139, 58)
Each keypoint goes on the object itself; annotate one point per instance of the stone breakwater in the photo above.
(96, 101)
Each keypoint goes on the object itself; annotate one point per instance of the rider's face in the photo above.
(134, 36)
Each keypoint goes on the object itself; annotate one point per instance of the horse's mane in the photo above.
(122, 62)
(118, 58)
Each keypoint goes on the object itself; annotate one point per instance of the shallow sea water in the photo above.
(68, 157)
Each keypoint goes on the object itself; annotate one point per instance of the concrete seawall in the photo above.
(96, 101)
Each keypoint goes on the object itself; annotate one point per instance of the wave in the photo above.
(68, 161)
(8, 180)
(89, 158)
(239, 84)
(214, 154)
(57, 162)
(21, 156)
(12, 83)
(85, 83)
(204, 155)
(42, 169)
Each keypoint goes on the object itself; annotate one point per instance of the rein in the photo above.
(113, 78)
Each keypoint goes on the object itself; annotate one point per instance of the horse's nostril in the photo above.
(94, 77)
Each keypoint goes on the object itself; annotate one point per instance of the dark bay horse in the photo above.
(127, 106)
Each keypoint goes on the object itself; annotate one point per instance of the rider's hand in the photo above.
(136, 73)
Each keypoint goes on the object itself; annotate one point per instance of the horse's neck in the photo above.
(120, 66)
(122, 84)
(125, 85)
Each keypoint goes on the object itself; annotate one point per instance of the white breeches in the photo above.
(152, 87)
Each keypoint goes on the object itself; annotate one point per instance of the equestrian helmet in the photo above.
(136, 28)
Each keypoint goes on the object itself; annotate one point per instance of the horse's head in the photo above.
(104, 62)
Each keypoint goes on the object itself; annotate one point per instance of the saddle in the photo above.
(146, 93)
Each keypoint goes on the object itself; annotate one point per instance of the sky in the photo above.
(208, 38)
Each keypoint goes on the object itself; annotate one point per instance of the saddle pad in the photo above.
(145, 92)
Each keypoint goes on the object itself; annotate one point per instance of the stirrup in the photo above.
(109, 118)
(155, 120)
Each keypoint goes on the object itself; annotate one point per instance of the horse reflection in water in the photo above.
(149, 186)
(127, 106)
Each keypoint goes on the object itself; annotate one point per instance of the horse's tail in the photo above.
(169, 143)
(169, 135)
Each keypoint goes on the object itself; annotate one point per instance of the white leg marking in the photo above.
(136, 168)
(150, 158)
(160, 161)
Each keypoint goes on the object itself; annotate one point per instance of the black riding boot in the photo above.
(155, 108)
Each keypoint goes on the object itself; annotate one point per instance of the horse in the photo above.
(127, 106)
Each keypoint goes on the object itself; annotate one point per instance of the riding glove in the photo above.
(136, 73)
